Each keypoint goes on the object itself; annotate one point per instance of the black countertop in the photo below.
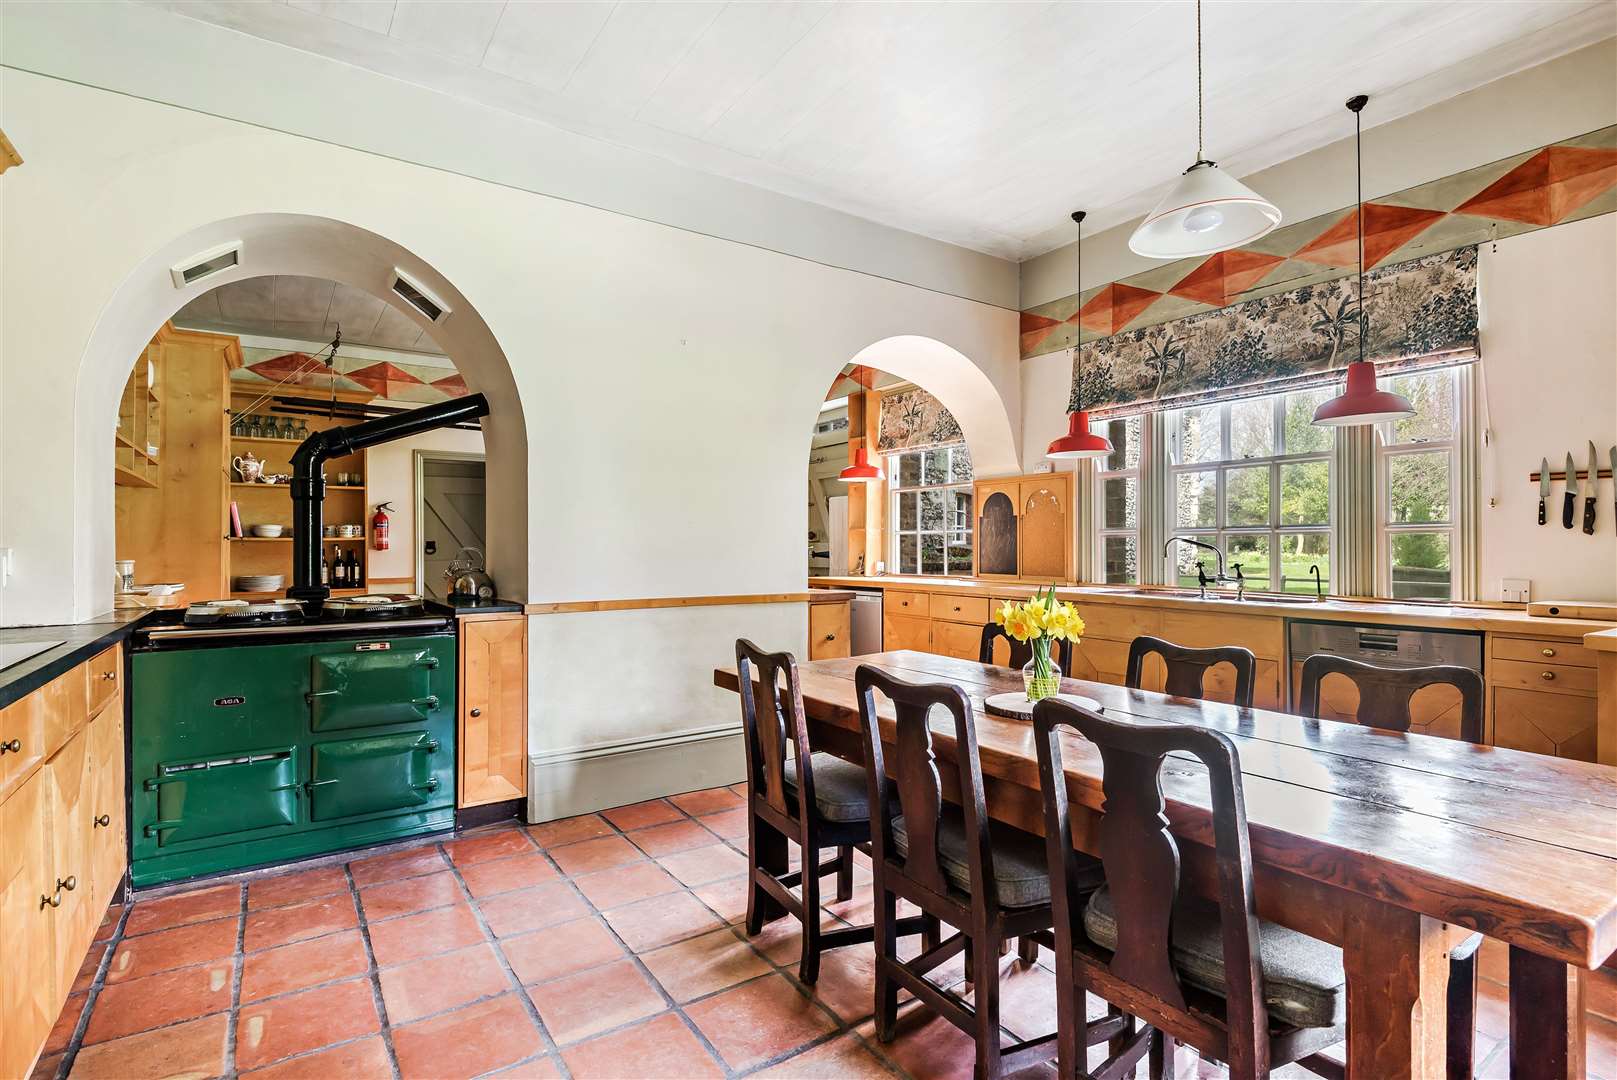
(485, 608)
(79, 642)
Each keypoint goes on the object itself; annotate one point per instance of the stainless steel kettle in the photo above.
(468, 581)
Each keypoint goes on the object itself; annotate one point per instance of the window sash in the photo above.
(1387, 452)
(952, 534)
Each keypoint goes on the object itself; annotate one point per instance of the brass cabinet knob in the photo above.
(103, 821)
(108, 676)
(50, 901)
(830, 637)
(1549, 652)
(1547, 676)
(69, 883)
(477, 712)
(11, 746)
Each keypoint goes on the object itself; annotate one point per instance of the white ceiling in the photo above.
(978, 123)
(304, 309)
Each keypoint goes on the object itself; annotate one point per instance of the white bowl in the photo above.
(267, 531)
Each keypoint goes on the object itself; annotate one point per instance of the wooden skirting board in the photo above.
(570, 606)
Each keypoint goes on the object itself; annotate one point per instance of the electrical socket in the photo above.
(1515, 590)
(5, 567)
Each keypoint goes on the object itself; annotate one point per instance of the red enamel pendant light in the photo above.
(1361, 401)
(861, 471)
(1079, 441)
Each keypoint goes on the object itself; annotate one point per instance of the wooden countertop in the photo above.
(1510, 620)
(830, 596)
(1601, 641)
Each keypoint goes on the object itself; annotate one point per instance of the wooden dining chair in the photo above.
(1251, 994)
(1021, 651)
(793, 793)
(989, 884)
(1385, 694)
(1187, 667)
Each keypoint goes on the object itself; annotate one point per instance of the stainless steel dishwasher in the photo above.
(1387, 646)
(866, 618)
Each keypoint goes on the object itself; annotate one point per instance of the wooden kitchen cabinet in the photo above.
(28, 977)
(493, 708)
(1024, 528)
(906, 632)
(829, 630)
(108, 845)
(1433, 710)
(961, 640)
(1542, 696)
(71, 790)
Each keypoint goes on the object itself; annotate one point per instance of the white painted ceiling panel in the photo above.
(305, 309)
(982, 124)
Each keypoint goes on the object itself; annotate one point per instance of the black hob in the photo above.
(243, 622)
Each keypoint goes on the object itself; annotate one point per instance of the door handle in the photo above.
(312, 784)
(429, 702)
(310, 695)
(427, 661)
(11, 746)
(432, 746)
(429, 787)
(104, 821)
(158, 826)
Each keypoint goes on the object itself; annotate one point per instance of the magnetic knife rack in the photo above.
(1581, 474)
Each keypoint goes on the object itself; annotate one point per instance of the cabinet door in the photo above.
(1562, 725)
(494, 709)
(1045, 545)
(961, 640)
(71, 795)
(107, 815)
(1099, 660)
(28, 982)
(906, 632)
(828, 631)
(995, 535)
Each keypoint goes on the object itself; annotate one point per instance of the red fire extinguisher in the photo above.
(379, 526)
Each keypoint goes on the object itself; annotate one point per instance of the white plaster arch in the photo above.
(309, 246)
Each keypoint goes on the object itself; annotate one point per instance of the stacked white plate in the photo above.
(258, 583)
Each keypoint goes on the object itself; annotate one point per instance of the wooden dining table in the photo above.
(1391, 846)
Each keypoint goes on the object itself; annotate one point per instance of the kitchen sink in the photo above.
(1191, 594)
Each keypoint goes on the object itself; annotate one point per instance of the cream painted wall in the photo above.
(390, 477)
(1549, 349)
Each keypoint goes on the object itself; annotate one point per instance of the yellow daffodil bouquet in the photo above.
(1038, 622)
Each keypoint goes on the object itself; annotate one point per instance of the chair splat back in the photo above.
(772, 719)
(1021, 651)
(1385, 693)
(917, 781)
(1187, 667)
(1142, 858)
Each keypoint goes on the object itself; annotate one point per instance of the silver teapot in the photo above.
(468, 581)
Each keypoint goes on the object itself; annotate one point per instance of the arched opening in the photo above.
(309, 247)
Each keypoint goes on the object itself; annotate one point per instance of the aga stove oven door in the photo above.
(373, 774)
(371, 684)
(223, 796)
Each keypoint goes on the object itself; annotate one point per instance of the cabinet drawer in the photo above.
(828, 631)
(105, 674)
(1561, 677)
(22, 739)
(960, 609)
(1542, 651)
(959, 640)
(908, 603)
(1562, 725)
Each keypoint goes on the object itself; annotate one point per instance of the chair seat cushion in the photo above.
(841, 792)
(1021, 874)
(1302, 976)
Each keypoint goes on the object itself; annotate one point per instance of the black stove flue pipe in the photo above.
(309, 484)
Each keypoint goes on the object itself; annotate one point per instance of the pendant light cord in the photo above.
(1358, 170)
(1077, 341)
(1199, 156)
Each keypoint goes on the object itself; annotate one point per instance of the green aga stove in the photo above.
(261, 733)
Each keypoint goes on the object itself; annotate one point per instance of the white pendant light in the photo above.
(1207, 210)
(1079, 442)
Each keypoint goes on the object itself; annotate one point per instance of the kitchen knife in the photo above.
(1571, 501)
(1591, 493)
(1544, 486)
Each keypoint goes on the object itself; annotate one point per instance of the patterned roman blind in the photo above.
(913, 419)
(1422, 313)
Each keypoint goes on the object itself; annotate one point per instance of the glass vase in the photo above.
(1037, 686)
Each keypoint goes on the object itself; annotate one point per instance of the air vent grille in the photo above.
(418, 298)
(206, 264)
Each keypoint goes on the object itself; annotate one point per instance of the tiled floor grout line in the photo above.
(71, 1051)
(373, 974)
(237, 963)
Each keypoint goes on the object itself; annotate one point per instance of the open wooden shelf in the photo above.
(288, 487)
(288, 539)
(129, 478)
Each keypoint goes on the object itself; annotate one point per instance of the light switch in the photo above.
(1515, 590)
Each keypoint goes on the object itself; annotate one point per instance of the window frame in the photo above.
(1386, 451)
(891, 463)
(1136, 472)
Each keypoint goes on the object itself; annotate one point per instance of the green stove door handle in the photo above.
(429, 787)
(432, 746)
(157, 826)
(427, 660)
(155, 782)
(310, 695)
(312, 784)
(429, 702)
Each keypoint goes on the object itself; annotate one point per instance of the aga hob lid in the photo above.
(267, 612)
(373, 606)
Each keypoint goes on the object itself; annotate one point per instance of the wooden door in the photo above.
(829, 630)
(28, 977)
(1562, 725)
(108, 847)
(71, 795)
(995, 535)
(1044, 507)
(907, 632)
(494, 708)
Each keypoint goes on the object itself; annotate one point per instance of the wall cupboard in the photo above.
(1024, 528)
(62, 847)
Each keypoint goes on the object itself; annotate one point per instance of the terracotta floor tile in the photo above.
(1027, 999)
(409, 896)
(544, 1068)
(518, 912)
(397, 864)
(398, 941)
(423, 987)
(46, 1067)
(625, 884)
(303, 964)
(307, 1020)
(363, 1059)
(290, 888)
(297, 922)
(192, 1049)
(561, 950)
(593, 855)
(594, 1001)
(840, 1059)
(91, 965)
(699, 966)
(503, 875)
(500, 844)
(730, 824)
(705, 864)
(642, 815)
(727, 896)
(661, 920)
(681, 835)
(467, 1042)
(156, 1000)
(926, 1045)
(847, 983)
(554, 834)
(661, 1048)
(198, 906)
(711, 801)
(195, 943)
(759, 1020)
(66, 1021)
(109, 922)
